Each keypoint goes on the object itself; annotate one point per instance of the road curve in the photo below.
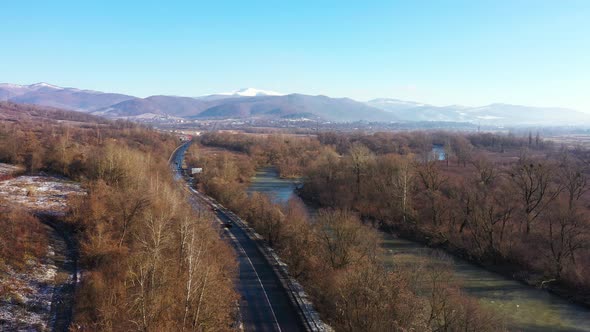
(264, 303)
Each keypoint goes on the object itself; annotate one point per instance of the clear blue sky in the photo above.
(442, 52)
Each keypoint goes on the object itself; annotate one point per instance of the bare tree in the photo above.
(343, 238)
(267, 218)
(567, 235)
(532, 182)
(360, 156)
(399, 182)
(487, 172)
(404, 184)
(462, 149)
(432, 181)
(130, 207)
(573, 178)
(484, 209)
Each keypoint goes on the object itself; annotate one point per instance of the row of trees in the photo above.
(290, 154)
(420, 142)
(337, 259)
(148, 261)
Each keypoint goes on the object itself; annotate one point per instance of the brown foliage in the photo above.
(166, 268)
(22, 237)
(149, 262)
(496, 205)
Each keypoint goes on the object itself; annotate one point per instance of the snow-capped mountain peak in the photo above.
(35, 86)
(44, 85)
(252, 92)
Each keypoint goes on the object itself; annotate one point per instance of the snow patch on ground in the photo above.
(7, 169)
(25, 297)
(39, 193)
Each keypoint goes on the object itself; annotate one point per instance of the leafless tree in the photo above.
(343, 238)
(360, 156)
(432, 180)
(572, 176)
(533, 184)
(567, 234)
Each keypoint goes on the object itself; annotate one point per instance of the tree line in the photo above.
(290, 154)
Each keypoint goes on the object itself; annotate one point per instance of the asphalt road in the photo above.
(264, 303)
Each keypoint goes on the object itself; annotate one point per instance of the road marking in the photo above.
(209, 202)
(241, 249)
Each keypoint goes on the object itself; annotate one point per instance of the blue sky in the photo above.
(440, 52)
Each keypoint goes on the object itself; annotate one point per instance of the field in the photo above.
(39, 193)
(572, 141)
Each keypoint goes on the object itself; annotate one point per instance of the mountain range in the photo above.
(260, 104)
(55, 96)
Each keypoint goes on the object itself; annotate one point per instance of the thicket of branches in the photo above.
(336, 257)
(502, 200)
(291, 155)
(496, 199)
(22, 238)
(149, 263)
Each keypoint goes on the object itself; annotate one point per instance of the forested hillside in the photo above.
(147, 261)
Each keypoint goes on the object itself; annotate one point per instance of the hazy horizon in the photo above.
(454, 52)
(295, 165)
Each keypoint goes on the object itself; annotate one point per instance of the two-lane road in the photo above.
(264, 303)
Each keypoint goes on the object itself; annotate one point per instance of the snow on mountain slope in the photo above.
(257, 103)
(46, 94)
(495, 114)
(251, 92)
(30, 87)
(390, 102)
(44, 85)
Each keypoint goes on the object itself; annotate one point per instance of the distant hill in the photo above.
(239, 107)
(253, 103)
(66, 98)
(494, 114)
(162, 105)
(11, 112)
(288, 106)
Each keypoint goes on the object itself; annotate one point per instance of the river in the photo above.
(525, 308)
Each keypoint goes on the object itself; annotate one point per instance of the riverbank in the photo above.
(499, 285)
(502, 267)
(506, 269)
